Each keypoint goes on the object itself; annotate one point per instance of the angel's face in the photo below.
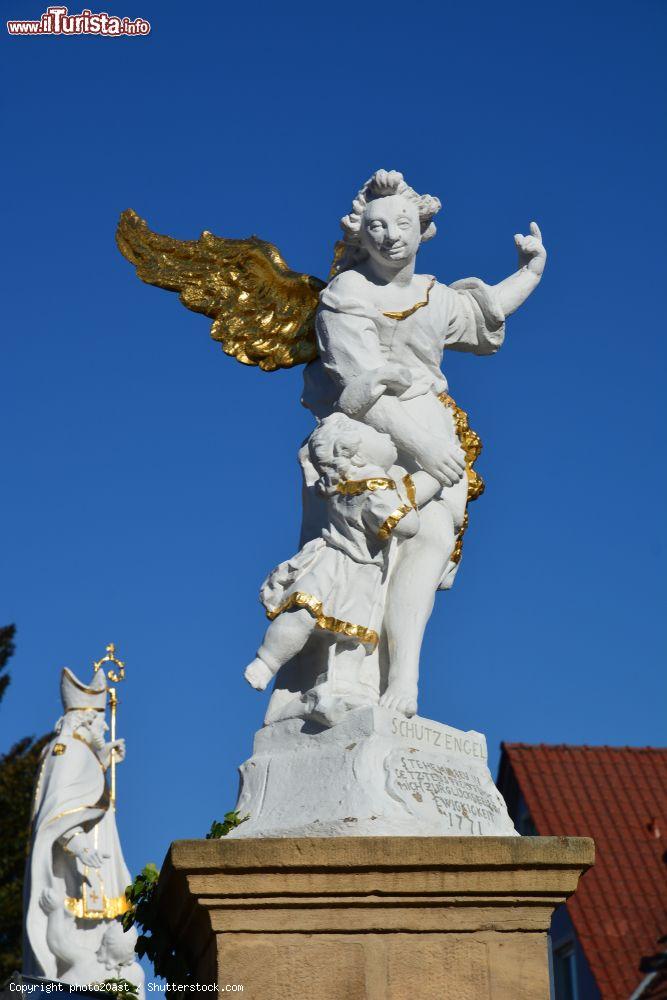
(390, 230)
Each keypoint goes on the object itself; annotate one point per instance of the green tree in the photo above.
(17, 774)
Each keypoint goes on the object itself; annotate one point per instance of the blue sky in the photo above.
(150, 482)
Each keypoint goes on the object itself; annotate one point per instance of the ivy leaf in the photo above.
(231, 821)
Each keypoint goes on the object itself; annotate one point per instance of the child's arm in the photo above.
(387, 515)
(407, 527)
(421, 487)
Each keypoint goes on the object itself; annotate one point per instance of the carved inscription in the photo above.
(429, 736)
(467, 802)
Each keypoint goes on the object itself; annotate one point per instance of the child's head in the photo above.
(340, 447)
(117, 946)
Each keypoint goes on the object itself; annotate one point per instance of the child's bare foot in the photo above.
(398, 698)
(257, 674)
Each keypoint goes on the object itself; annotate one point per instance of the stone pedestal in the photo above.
(371, 918)
(372, 774)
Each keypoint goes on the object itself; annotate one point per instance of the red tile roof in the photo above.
(617, 795)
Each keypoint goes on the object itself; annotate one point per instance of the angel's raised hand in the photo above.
(532, 253)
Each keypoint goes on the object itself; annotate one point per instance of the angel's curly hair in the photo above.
(380, 185)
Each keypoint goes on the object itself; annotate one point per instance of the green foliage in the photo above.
(120, 989)
(18, 768)
(155, 941)
(7, 633)
(231, 820)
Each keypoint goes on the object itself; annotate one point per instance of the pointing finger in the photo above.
(535, 230)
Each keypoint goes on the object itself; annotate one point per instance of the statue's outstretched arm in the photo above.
(514, 290)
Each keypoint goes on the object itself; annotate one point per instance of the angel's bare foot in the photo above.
(257, 674)
(400, 698)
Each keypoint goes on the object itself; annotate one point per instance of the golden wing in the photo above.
(263, 313)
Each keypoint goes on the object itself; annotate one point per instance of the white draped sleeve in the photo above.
(476, 320)
(350, 352)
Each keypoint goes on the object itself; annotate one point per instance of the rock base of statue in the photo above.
(373, 774)
(370, 918)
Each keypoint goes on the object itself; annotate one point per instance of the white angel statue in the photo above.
(372, 338)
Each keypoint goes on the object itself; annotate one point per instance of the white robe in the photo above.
(357, 341)
(71, 792)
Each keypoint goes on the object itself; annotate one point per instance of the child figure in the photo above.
(115, 957)
(326, 602)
